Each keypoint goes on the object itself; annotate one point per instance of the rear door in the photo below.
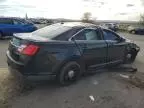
(93, 48)
(116, 49)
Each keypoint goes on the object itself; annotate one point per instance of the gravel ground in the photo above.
(105, 89)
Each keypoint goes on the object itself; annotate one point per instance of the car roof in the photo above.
(78, 24)
(12, 18)
(7, 18)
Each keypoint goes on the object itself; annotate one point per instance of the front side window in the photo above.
(108, 35)
(88, 34)
(68, 34)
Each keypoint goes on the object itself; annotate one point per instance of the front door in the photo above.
(94, 49)
(116, 49)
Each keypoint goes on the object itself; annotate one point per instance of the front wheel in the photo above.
(69, 73)
(133, 32)
(1, 35)
(130, 56)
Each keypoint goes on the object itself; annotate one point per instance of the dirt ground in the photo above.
(105, 89)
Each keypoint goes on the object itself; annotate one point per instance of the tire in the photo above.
(130, 56)
(133, 32)
(69, 73)
(1, 35)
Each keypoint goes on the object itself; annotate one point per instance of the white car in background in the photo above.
(111, 26)
(137, 29)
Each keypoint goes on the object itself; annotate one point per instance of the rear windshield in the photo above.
(51, 31)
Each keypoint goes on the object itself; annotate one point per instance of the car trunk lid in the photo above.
(13, 46)
(30, 36)
(19, 42)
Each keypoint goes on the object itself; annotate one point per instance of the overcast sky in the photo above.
(74, 9)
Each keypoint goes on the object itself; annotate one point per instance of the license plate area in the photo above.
(13, 46)
(14, 55)
(16, 42)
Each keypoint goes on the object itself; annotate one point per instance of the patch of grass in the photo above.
(9, 87)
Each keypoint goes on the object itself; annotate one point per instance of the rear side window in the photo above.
(51, 31)
(6, 21)
(88, 34)
(80, 36)
(68, 34)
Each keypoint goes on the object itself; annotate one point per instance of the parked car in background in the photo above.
(9, 26)
(136, 30)
(111, 26)
(68, 50)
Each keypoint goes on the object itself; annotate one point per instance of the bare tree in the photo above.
(86, 17)
(141, 19)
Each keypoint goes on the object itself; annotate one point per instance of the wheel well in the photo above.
(133, 53)
(133, 50)
(81, 63)
(130, 51)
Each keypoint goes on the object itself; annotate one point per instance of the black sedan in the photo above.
(136, 30)
(67, 50)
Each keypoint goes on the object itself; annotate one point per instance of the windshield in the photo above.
(51, 31)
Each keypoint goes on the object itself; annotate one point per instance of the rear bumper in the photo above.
(26, 70)
(14, 64)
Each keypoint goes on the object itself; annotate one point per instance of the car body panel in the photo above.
(93, 52)
(7, 29)
(54, 54)
(51, 56)
(136, 29)
(111, 26)
(116, 50)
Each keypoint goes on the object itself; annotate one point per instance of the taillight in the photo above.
(29, 50)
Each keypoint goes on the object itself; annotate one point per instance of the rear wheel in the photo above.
(1, 35)
(69, 73)
(130, 56)
(133, 32)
